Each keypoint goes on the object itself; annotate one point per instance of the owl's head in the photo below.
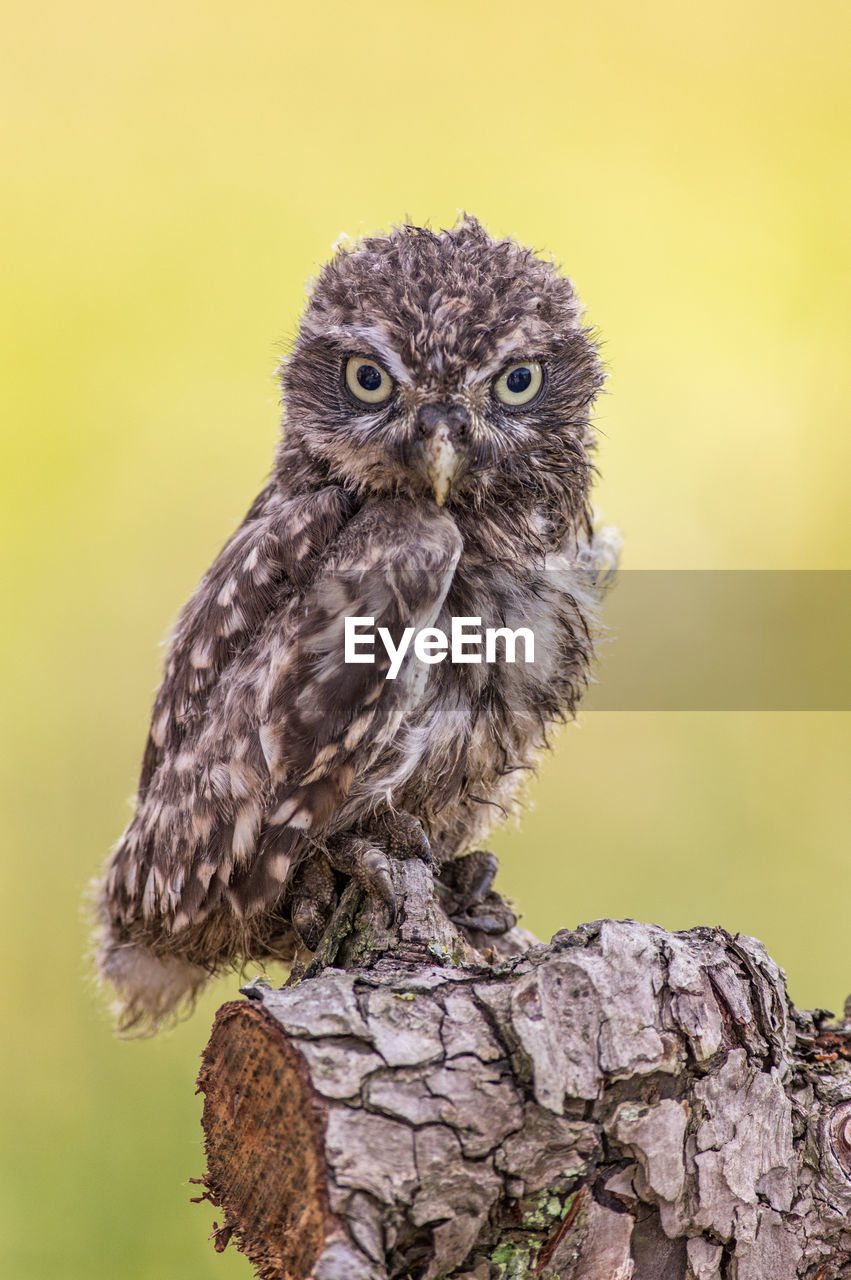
(447, 366)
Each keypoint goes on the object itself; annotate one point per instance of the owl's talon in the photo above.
(309, 922)
(466, 882)
(406, 837)
(362, 860)
(466, 893)
(313, 899)
(492, 917)
(375, 874)
(426, 854)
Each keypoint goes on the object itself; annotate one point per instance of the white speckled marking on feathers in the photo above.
(438, 502)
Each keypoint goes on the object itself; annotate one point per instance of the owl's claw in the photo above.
(362, 860)
(468, 898)
(405, 836)
(468, 880)
(309, 921)
(314, 896)
(375, 872)
(366, 854)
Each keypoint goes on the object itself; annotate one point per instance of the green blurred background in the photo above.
(172, 174)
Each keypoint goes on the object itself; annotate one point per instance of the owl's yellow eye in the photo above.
(519, 383)
(367, 380)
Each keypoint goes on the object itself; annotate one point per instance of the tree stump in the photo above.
(622, 1104)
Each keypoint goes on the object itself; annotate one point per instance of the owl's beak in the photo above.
(441, 427)
(441, 461)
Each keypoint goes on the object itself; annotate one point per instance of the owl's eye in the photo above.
(367, 381)
(519, 383)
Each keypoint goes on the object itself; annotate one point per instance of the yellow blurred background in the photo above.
(171, 176)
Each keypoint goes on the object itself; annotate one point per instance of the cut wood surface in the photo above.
(622, 1104)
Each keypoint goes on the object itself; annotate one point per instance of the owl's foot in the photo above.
(313, 899)
(403, 836)
(364, 854)
(468, 896)
(361, 859)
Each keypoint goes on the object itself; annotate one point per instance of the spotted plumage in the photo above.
(434, 463)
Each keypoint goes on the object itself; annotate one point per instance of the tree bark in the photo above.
(623, 1104)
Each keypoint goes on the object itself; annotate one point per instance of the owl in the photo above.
(434, 465)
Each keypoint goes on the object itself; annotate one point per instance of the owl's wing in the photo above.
(274, 550)
(287, 727)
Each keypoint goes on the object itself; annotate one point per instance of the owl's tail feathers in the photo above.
(150, 988)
